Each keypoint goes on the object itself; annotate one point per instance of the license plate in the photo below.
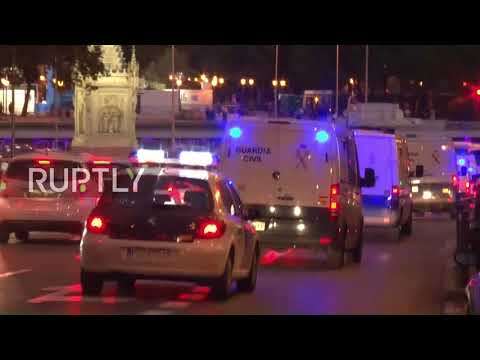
(144, 254)
(259, 225)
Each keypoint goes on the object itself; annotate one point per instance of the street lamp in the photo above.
(179, 82)
(5, 82)
(283, 83)
(243, 82)
(351, 81)
(274, 83)
(221, 81)
(42, 78)
(251, 82)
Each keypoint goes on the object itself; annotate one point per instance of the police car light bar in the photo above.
(196, 158)
(147, 155)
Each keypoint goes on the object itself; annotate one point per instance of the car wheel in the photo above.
(22, 236)
(248, 284)
(126, 286)
(92, 283)
(357, 252)
(221, 287)
(407, 228)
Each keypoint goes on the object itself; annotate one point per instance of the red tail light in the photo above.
(468, 188)
(395, 190)
(43, 162)
(334, 199)
(96, 224)
(102, 162)
(210, 229)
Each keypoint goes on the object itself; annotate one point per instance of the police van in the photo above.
(387, 204)
(433, 173)
(302, 180)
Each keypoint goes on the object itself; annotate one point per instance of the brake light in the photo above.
(334, 200)
(395, 190)
(43, 162)
(394, 198)
(468, 187)
(96, 224)
(210, 229)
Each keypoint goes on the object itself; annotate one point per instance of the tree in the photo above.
(69, 62)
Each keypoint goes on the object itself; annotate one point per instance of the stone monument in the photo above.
(105, 108)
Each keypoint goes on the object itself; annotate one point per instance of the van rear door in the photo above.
(306, 166)
(249, 158)
(378, 151)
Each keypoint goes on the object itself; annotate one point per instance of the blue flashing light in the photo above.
(235, 132)
(471, 169)
(322, 136)
(461, 162)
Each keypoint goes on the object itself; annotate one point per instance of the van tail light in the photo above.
(97, 224)
(334, 199)
(468, 188)
(210, 229)
(395, 197)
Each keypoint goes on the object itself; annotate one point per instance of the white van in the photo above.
(433, 172)
(303, 180)
(388, 204)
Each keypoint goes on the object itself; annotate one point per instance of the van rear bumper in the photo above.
(282, 232)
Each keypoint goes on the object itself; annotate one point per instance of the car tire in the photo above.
(357, 252)
(248, 284)
(222, 286)
(92, 283)
(22, 236)
(408, 227)
(126, 286)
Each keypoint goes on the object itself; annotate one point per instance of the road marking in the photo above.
(73, 293)
(12, 273)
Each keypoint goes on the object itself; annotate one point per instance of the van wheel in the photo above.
(92, 283)
(336, 253)
(407, 228)
(221, 287)
(395, 234)
(357, 252)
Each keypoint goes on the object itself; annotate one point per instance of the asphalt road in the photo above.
(42, 277)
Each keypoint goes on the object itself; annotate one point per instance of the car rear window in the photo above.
(19, 169)
(165, 193)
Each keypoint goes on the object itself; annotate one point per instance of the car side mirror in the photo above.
(419, 171)
(466, 258)
(463, 171)
(369, 179)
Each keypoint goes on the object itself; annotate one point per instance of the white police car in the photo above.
(170, 223)
(48, 202)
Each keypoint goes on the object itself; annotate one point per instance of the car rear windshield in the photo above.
(164, 193)
(19, 169)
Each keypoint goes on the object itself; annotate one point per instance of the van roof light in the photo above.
(235, 132)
